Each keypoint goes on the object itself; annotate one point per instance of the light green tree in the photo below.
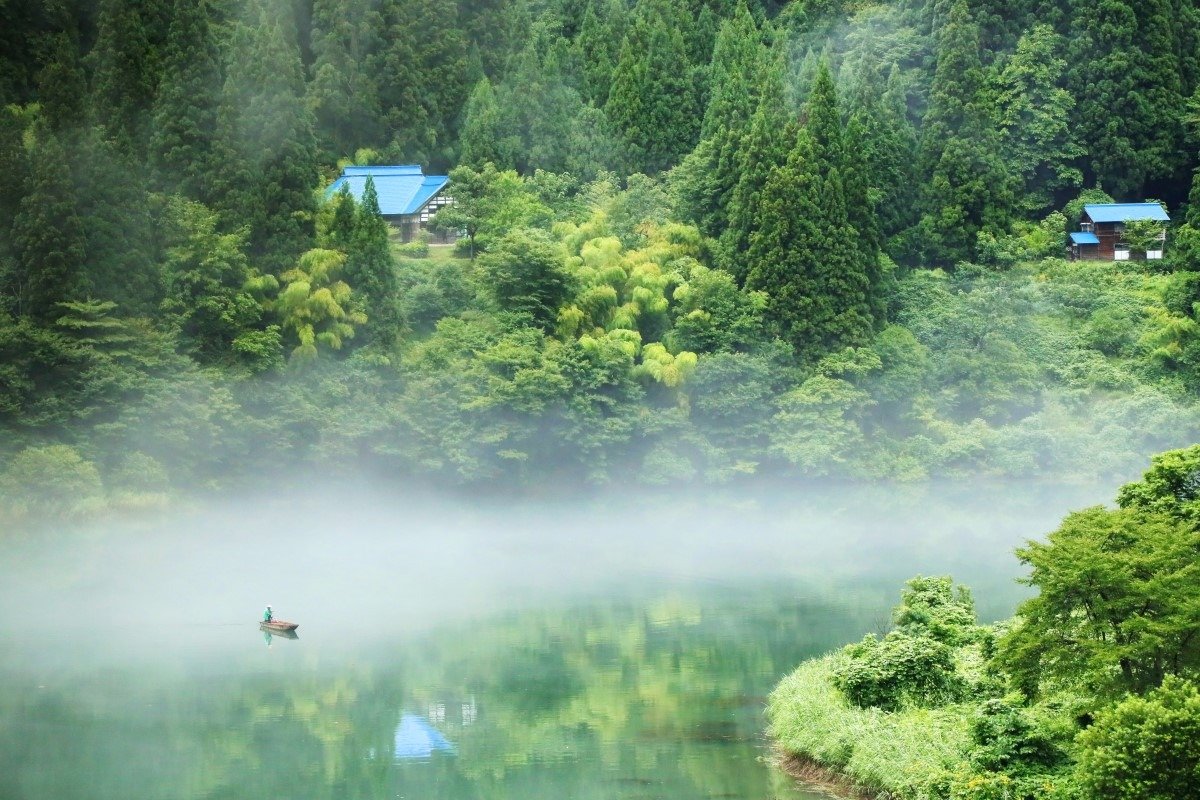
(315, 306)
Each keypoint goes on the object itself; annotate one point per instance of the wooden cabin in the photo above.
(1101, 232)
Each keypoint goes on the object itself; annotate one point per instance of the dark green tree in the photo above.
(123, 77)
(119, 228)
(206, 298)
(599, 43)
(764, 148)
(371, 272)
(423, 78)
(340, 232)
(482, 138)
(968, 189)
(709, 175)
(1034, 114)
(182, 148)
(526, 273)
(49, 236)
(1125, 67)
(801, 254)
(342, 92)
(61, 83)
(267, 143)
(652, 105)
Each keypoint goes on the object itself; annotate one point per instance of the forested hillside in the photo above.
(701, 240)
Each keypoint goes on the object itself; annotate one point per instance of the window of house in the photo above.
(1086, 227)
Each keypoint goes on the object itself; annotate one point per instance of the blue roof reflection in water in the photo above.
(416, 738)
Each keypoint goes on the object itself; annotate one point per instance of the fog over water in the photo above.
(525, 607)
(339, 560)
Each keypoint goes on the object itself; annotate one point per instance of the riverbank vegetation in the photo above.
(699, 241)
(1088, 692)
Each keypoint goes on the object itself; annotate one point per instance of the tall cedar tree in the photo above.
(1035, 122)
(710, 173)
(846, 189)
(423, 78)
(342, 92)
(763, 149)
(651, 106)
(886, 143)
(62, 83)
(802, 255)
(864, 221)
(341, 228)
(544, 122)
(267, 141)
(123, 77)
(371, 272)
(788, 219)
(483, 137)
(599, 44)
(49, 236)
(968, 188)
(14, 166)
(119, 235)
(1125, 72)
(182, 147)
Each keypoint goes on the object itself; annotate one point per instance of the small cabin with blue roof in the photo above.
(1101, 231)
(408, 198)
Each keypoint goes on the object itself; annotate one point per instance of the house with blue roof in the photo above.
(408, 198)
(1101, 231)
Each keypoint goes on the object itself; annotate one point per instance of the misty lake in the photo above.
(614, 647)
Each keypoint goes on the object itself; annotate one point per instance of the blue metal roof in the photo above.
(402, 189)
(1125, 212)
(1080, 237)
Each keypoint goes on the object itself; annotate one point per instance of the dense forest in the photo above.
(699, 240)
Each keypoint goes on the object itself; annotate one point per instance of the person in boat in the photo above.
(268, 616)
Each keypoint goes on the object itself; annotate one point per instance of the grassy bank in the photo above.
(902, 753)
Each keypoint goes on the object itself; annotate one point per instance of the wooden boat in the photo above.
(279, 626)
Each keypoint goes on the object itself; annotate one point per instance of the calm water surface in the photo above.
(618, 648)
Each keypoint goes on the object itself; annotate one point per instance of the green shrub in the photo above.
(417, 248)
(900, 671)
(52, 482)
(1145, 748)
(936, 608)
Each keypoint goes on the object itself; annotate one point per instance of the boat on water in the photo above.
(279, 626)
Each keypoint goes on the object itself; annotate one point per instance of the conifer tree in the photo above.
(862, 214)
(969, 189)
(711, 172)
(267, 144)
(1034, 115)
(422, 77)
(599, 44)
(49, 236)
(123, 80)
(61, 83)
(651, 107)
(118, 228)
(1125, 68)
(483, 138)
(371, 272)
(342, 93)
(804, 252)
(764, 148)
(182, 148)
(884, 143)
(341, 228)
